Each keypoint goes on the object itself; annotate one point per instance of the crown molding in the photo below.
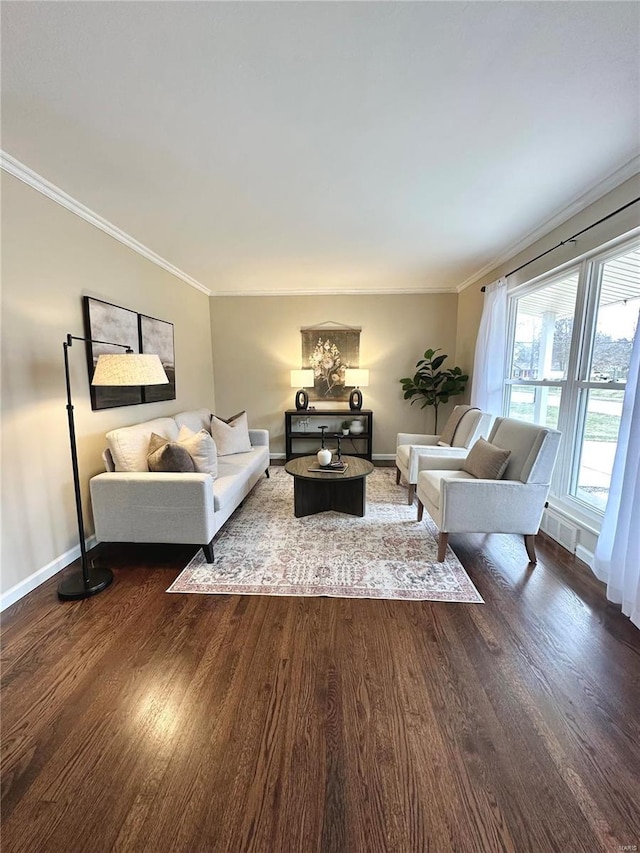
(341, 291)
(42, 185)
(576, 206)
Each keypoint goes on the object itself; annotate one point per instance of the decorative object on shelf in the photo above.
(324, 457)
(345, 427)
(359, 377)
(111, 370)
(356, 427)
(104, 322)
(432, 385)
(301, 379)
(329, 349)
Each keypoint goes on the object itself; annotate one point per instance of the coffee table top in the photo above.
(358, 468)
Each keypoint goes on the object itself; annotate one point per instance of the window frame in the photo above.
(574, 390)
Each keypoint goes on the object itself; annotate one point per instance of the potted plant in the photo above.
(345, 427)
(431, 384)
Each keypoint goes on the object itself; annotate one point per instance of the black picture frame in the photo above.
(156, 336)
(106, 322)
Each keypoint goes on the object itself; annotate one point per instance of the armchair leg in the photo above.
(412, 491)
(208, 552)
(397, 476)
(443, 539)
(530, 545)
(420, 509)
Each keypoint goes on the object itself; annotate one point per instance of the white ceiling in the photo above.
(323, 146)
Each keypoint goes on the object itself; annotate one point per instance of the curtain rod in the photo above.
(568, 240)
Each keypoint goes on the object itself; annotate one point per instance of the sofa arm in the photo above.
(259, 437)
(415, 438)
(491, 506)
(153, 507)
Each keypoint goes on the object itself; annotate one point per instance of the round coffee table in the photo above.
(318, 491)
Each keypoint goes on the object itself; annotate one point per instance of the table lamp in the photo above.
(358, 377)
(302, 379)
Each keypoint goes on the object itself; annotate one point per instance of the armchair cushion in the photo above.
(430, 482)
(450, 429)
(486, 461)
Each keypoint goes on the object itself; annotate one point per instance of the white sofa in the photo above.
(132, 504)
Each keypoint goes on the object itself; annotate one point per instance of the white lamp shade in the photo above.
(302, 378)
(129, 369)
(356, 376)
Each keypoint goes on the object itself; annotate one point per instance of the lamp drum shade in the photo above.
(357, 376)
(129, 369)
(302, 379)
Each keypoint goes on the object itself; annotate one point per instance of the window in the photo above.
(570, 347)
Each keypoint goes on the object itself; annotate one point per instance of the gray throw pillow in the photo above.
(486, 461)
(168, 456)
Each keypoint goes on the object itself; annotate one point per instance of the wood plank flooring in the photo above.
(141, 721)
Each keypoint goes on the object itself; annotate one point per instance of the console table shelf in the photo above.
(308, 439)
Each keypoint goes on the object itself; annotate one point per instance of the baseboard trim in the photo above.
(41, 575)
(585, 555)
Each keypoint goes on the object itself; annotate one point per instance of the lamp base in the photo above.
(302, 400)
(355, 400)
(74, 587)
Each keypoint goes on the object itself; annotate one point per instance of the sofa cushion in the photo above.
(129, 445)
(234, 471)
(486, 461)
(231, 436)
(169, 456)
(195, 420)
(202, 449)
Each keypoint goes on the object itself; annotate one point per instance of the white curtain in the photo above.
(488, 367)
(617, 557)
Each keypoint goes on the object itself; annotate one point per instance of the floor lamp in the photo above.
(127, 368)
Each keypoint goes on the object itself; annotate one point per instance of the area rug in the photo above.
(263, 549)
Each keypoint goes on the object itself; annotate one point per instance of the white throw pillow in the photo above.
(201, 448)
(231, 436)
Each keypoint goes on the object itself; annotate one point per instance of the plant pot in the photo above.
(345, 432)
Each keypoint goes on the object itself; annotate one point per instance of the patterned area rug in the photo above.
(263, 549)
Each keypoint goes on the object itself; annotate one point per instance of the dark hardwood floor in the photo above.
(141, 721)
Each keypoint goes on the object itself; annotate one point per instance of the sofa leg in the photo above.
(420, 509)
(412, 492)
(267, 474)
(208, 552)
(530, 545)
(442, 546)
(397, 476)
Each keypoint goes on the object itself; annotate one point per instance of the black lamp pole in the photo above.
(92, 580)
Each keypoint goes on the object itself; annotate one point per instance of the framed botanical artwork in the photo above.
(106, 322)
(329, 352)
(156, 336)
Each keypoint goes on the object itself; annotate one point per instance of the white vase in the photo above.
(324, 456)
(356, 427)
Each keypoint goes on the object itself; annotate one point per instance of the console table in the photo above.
(301, 426)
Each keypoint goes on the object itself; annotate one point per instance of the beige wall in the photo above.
(256, 341)
(471, 299)
(51, 258)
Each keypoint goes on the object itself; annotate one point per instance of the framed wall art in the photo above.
(156, 336)
(106, 322)
(329, 349)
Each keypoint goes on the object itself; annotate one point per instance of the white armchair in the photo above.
(420, 452)
(458, 502)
